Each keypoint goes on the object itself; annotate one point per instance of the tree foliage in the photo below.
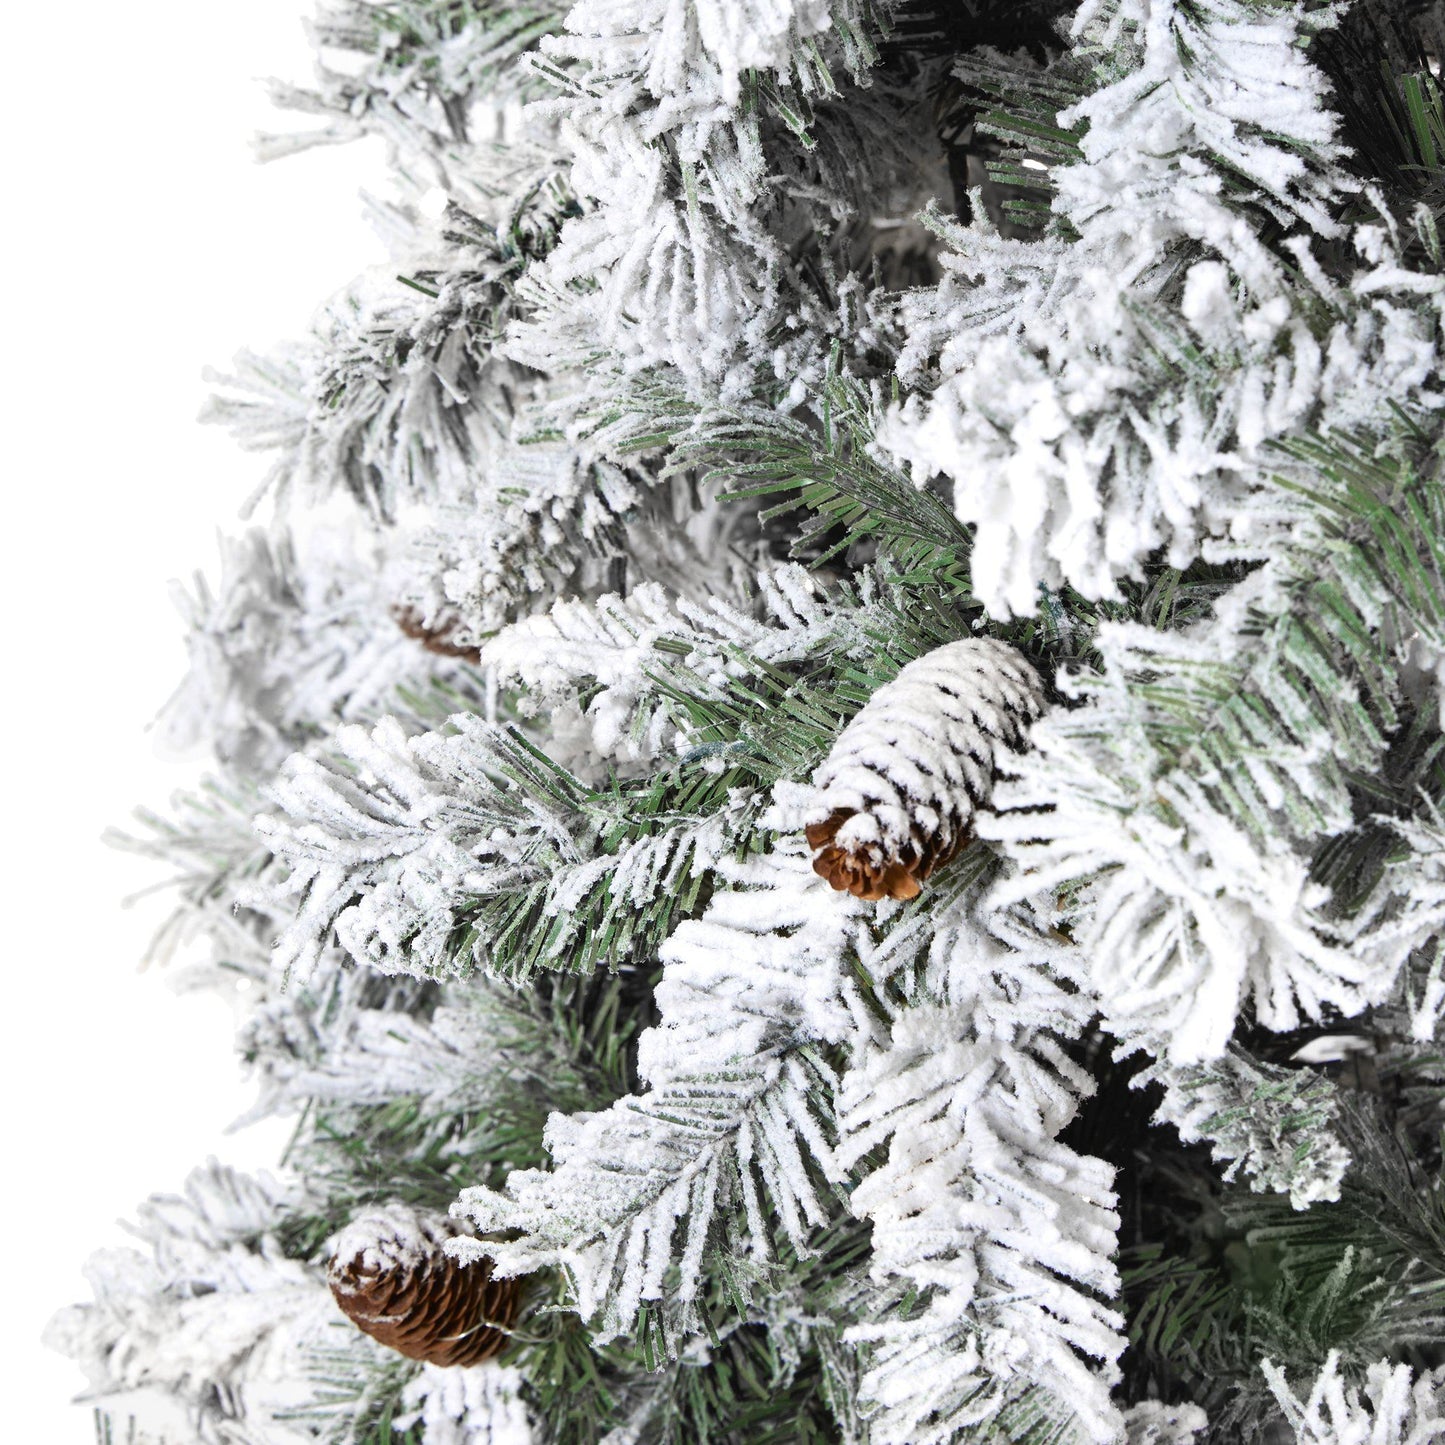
(762, 349)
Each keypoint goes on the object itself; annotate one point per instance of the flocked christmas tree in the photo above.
(829, 769)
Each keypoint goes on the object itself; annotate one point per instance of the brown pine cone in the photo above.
(872, 874)
(439, 638)
(899, 789)
(393, 1280)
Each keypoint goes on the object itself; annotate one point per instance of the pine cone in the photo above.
(440, 638)
(896, 793)
(392, 1279)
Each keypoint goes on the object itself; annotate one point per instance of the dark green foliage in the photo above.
(747, 1382)
(358, 1398)
(563, 1045)
(845, 510)
(1227, 1277)
(1378, 59)
(577, 918)
(856, 508)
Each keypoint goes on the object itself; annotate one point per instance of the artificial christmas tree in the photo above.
(988, 456)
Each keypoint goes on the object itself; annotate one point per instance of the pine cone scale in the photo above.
(392, 1278)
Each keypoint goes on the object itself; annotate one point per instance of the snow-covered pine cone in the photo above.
(437, 637)
(897, 792)
(393, 1280)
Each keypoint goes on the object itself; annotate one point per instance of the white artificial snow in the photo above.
(922, 752)
(203, 1337)
(388, 846)
(396, 1237)
(614, 643)
(1193, 910)
(1152, 1423)
(726, 1132)
(1078, 437)
(1404, 935)
(391, 820)
(1395, 1407)
(359, 89)
(481, 1405)
(693, 281)
(298, 638)
(1273, 1125)
(1005, 1231)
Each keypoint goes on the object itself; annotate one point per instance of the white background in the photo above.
(143, 242)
